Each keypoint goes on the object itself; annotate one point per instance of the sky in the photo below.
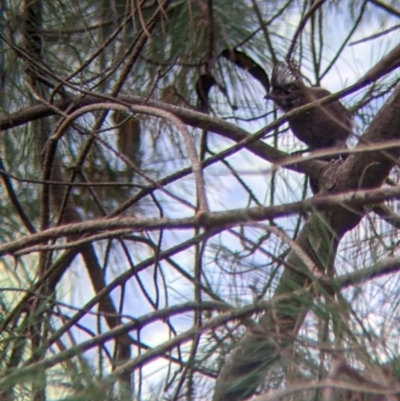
(225, 192)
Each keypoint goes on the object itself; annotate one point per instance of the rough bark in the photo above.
(264, 345)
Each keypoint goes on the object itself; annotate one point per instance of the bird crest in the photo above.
(283, 75)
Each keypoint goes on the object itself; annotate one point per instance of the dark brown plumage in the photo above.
(326, 126)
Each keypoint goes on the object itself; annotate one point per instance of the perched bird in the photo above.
(323, 127)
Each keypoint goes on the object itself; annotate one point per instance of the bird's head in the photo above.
(287, 88)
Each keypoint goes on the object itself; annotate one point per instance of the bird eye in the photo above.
(290, 88)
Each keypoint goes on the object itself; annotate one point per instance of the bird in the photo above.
(326, 126)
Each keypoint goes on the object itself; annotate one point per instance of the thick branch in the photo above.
(349, 200)
(262, 345)
(193, 118)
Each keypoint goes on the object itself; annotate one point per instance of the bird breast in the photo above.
(325, 126)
